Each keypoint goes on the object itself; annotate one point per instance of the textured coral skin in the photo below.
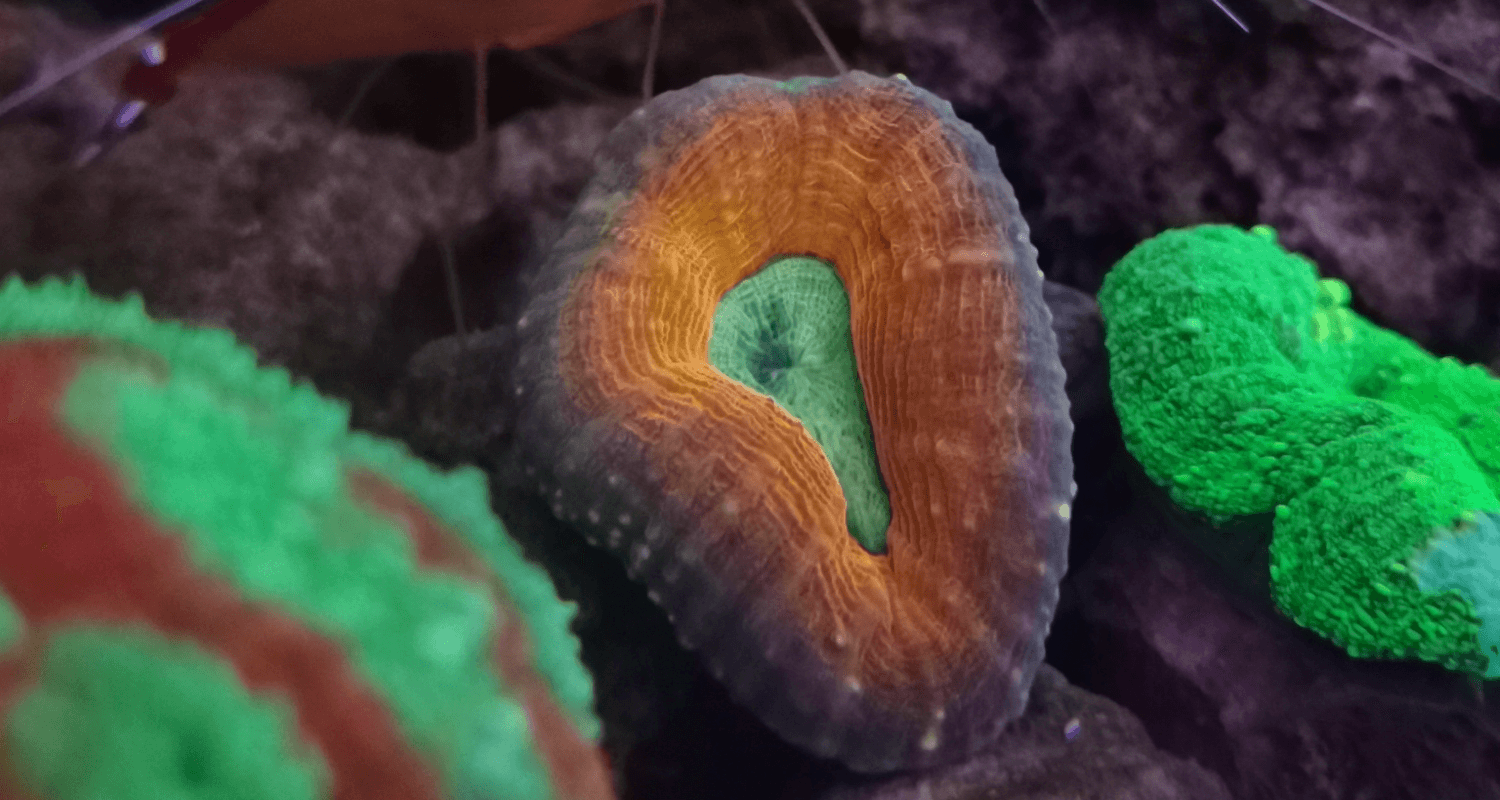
(132, 571)
(573, 762)
(720, 502)
(375, 598)
(1245, 385)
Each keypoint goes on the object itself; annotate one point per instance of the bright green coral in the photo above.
(154, 719)
(1245, 384)
(784, 332)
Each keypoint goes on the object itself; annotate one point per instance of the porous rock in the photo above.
(238, 206)
(1069, 745)
(1184, 636)
(1127, 119)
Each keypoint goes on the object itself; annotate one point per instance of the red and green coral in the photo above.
(1245, 385)
(210, 583)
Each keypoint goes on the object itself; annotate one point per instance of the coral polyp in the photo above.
(908, 651)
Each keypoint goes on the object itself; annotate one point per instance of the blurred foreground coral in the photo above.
(207, 582)
(1246, 385)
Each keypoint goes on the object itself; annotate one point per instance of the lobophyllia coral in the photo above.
(1245, 385)
(903, 651)
(209, 586)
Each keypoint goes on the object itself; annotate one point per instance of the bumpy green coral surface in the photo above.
(249, 470)
(168, 719)
(1245, 385)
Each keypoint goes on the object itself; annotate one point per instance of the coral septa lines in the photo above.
(893, 653)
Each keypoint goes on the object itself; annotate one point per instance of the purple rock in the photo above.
(1070, 744)
(1119, 120)
(1170, 617)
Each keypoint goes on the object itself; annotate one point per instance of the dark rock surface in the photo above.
(1118, 120)
(1182, 632)
(1070, 745)
(1080, 345)
(239, 206)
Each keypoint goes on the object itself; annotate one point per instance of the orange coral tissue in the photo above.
(721, 502)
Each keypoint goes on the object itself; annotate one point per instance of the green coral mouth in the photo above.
(784, 332)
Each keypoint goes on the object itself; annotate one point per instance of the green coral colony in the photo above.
(210, 587)
(1246, 385)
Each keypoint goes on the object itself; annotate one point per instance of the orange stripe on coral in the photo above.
(92, 555)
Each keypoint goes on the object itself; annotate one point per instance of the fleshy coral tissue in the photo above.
(792, 364)
(1246, 385)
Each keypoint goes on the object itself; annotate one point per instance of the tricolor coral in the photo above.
(210, 584)
(724, 442)
(1245, 385)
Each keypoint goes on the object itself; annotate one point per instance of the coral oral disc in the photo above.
(910, 651)
(784, 332)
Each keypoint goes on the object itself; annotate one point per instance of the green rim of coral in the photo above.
(459, 499)
(57, 307)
